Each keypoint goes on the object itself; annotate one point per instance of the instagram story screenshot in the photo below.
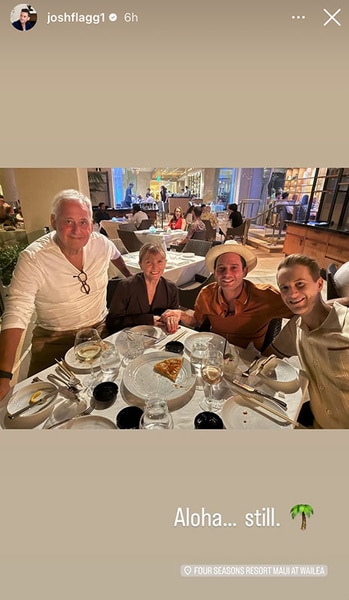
(174, 260)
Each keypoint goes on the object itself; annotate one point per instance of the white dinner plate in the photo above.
(207, 338)
(188, 254)
(141, 382)
(36, 413)
(280, 375)
(77, 365)
(239, 412)
(88, 422)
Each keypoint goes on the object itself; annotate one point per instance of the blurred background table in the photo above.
(180, 269)
(160, 237)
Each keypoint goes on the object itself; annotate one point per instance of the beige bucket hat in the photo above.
(230, 246)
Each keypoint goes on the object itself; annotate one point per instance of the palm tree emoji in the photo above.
(302, 509)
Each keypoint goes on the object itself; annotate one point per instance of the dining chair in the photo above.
(241, 232)
(210, 233)
(111, 288)
(199, 235)
(120, 245)
(127, 227)
(145, 224)
(130, 240)
(273, 330)
(199, 247)
(188, 293)
(332, 291)
(111, 228)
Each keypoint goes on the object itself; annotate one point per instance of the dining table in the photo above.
(181, 267)
(240, 409)
(159, 236)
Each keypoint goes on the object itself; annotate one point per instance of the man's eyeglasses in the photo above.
(82, 277)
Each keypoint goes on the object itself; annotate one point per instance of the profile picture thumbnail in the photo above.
(23, 17)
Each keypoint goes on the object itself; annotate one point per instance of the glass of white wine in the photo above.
(87, 345)
(212, 374)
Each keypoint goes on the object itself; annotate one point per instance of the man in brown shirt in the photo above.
(236, 308)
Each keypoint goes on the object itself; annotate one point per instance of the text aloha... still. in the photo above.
(185, 517)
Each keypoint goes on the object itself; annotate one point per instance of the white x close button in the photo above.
(332, 17)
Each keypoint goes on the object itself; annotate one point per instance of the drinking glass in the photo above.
(212, 374)
(156, 415)
(109, 361)
(87, 345)
(198, 353)
(135, 346)
(231, 362)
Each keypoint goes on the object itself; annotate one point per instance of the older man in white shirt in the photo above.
(63, 276)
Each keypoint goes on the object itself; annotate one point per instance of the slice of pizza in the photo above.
(169, 368)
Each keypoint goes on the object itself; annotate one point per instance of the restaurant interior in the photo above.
(285, 210)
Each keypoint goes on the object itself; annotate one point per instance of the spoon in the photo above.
(34, 400)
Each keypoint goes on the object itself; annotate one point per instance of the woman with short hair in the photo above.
(142, 298)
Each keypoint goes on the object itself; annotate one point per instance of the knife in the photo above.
(252, 390)
(18, 412)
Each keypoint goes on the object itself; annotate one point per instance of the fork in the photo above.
(69, 380)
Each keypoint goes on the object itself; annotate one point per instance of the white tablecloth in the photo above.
(160, 237)
(179, 269)
(184, 417)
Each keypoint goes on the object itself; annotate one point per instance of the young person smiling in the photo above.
(236, 308)
(319, 335)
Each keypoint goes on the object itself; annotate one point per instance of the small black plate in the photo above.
(176, 347)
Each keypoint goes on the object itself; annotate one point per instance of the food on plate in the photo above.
(169, 368)
(35, 397)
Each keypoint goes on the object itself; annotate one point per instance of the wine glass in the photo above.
(212, 373)
(87, 345)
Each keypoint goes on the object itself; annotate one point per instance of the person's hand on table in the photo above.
(171, 319)
(159, 323)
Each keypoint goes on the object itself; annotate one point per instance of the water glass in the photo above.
(231, 362)
(198, 353)
(156, 415)
(135, 346)
(110, 362)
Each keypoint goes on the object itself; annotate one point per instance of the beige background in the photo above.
(91, 514)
